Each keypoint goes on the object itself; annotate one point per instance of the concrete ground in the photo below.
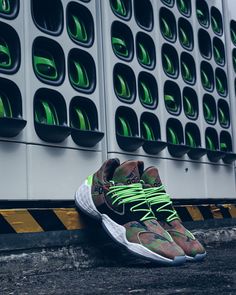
(215, 275)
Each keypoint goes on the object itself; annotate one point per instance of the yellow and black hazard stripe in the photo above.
(43, 220)
(206, 212)
(39, 220)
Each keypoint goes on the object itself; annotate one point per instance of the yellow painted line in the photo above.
(21, 220)
(194, 212)
(232, 210)
(216, 212)
(70, 218)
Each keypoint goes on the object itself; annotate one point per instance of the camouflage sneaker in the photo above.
(114, 195)
(167, 216)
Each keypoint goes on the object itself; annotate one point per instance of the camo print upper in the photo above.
(124, 174)
(148, 233)
(151, 177)
(153, 237)
(182, 237)
(100, 183)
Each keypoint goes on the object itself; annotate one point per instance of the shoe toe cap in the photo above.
(160, 245)
(190, 247)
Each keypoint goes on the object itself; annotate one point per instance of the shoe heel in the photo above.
(84, 201)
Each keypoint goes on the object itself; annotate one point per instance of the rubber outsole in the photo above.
(84, 202)
(196, 258)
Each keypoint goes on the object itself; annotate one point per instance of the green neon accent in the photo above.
(209, 143)
(200, 14)
(123, 88)
(205, 81)
(5, 56)
(170, 102)
(167, 31)
(49, 115)
(207, 113)
(173, 136)
(167, 1)
(183, 38)
(234, 62)
(186, 75)
(5, 6)
(190, 140)
(119, 46)
(215, 25)
(5, 107)
(90, 180)
(148, 131)
(147, 95)
(2, 109)
(190, 235)
(83, 119)
(144, 57)
(80, 32)
(82, 79)
(189, 108)
(156, 196)
(182, 6)
(128, 194)
(170, 68)
(8, 109)
(126, 130)
(223, 146)
(45, 67)
(219, 86)
(222, 118)
(217, 55)
(233, 36)
(201, 17)
(120, 8)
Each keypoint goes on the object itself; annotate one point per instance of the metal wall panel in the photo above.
(64, 91)
(156, 77)
(12, 102)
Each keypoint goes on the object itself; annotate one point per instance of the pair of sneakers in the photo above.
(134, 209)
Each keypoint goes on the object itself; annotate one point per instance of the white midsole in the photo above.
(84, 201)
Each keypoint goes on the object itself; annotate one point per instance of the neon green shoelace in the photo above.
(127, 194)
(155, 196)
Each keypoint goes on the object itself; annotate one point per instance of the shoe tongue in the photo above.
(128, 172)
(151, 176)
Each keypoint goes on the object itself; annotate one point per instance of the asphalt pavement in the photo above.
(215, 275)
